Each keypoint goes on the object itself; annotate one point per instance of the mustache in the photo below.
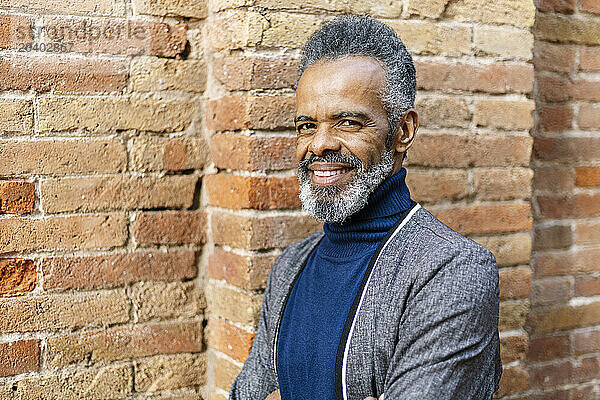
(334, 157)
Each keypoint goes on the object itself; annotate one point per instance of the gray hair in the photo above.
(352, 35)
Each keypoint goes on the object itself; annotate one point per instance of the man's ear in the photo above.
(406, 130)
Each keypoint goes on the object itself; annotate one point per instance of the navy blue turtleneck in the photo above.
(321, 298)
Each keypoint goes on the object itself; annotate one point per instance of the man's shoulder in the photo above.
(288, 261)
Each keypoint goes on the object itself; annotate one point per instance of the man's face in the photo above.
(342, 125)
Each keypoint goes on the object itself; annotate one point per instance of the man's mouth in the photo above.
(328, 173)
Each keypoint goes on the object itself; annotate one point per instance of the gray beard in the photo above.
(336, 204)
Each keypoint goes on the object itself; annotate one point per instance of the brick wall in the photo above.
(147, 182)
(565, 318)
(102, 231)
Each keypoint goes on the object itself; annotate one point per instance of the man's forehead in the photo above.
(336, 74)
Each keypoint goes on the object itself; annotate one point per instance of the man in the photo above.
(385, 300)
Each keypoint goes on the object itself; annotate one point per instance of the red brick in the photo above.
(552, 237)
(576, 205)
(586, 342)
(550, 291)
(486, 218)
(589, 59)
(587, 232)
(17, 276)
(261, 193)
(229, 339)
(555, 118)
(564, 318)
(246, 73)
(247, 272)
(156, 153)
(19, 357)
(169, 227)
(548, 394)
(587, 368)
(589, 116)
(254, 233)
(117, 36)
(587, 286)
(17, 197)
(15, 31)
(555, 263)
(125, 342)
(555, 89)
(514, 379)
(554, 57)
(551, 375)
(587, 176)
(590, 392)
(437, 185)
(561, 6)
(567, 149)
(42, 73)
(81, 194)
(590, 6)
(117, 269)
(513, 348)
(253, 153)
(514, 283)
(105, 7)
(461, 151)
(554, 178)
(63, 232)
(264, 112)
(491, 78)
(548, 348)
(55, 156)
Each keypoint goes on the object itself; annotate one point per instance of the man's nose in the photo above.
(323, 141)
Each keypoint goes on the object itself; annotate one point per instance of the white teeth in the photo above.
(330, 173)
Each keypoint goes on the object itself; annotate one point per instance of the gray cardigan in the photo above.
(424, 324)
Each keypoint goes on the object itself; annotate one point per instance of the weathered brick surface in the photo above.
(197, 9)
(225, 372)
(229, 339)
(55, 156)
(125, 343)
(169, 227)
(117, 269)
(264, 112)
(245, 73)
(49, 312)
(17, 197)
(421, 37)
(567, 29)
(254, 233)
(170, 372)
(502, 183)
(116, 192)
(15, 31)
(155, 153)
(101, 114)
(19, 357)
(512, 12)
(515, 283)
(513, 347)
(62, 74)
(17, 276)
(247, 272)
(234, 304)
(110, 382)
(162, 300)
(435, 186)
(16, 116)
(508, 249)
(152, 74)
(117, 36)
(513, 314)
(500, 114)
(253, 153)
(110, 7)
(232, 191)
(68, 232)
(443, 111)
(503, 42)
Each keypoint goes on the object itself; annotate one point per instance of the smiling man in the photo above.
(385, 300)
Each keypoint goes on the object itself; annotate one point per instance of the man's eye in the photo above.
(305, 127)
(348, 123)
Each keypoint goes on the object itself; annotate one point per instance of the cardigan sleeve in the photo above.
(448, 344)
(257, 378)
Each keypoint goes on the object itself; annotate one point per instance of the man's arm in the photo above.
(257, 379)
(448, 345)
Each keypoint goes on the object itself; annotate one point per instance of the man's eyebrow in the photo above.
(302, 118)
(350, 114)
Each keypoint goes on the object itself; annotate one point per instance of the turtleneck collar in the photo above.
(369, 226)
